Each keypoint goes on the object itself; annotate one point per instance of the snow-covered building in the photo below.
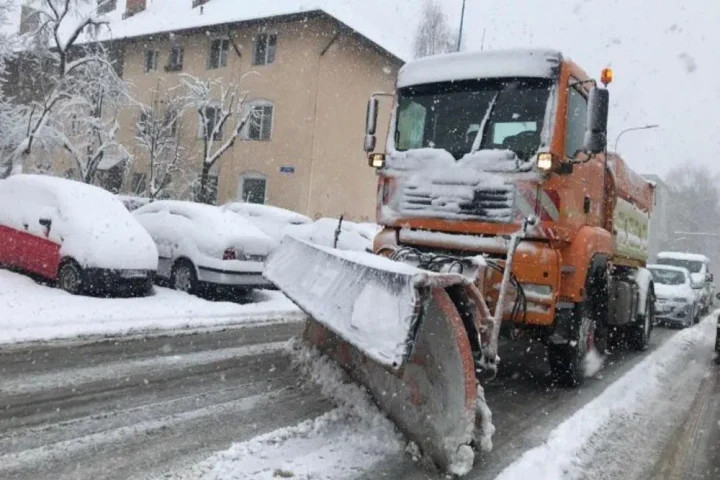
(314, 64)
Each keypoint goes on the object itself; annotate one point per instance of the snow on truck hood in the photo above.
(92, 225)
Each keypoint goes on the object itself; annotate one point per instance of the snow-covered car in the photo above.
(699, 267)
(202, 245)
(271, 220)
(352, 236)
(77, 235)
(676, 300)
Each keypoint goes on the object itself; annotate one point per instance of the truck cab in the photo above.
(481, 141)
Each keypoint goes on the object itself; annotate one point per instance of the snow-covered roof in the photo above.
(541, 63)
(692, 257)
(164, 16)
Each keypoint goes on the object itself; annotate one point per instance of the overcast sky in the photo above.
(665, 54)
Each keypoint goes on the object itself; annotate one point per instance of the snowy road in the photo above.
(138, 407)
(146, 407)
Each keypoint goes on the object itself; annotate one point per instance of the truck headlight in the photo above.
(544, 161)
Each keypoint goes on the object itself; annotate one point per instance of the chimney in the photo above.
(133, 7)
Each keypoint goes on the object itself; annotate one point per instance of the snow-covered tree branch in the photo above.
(217, 105)
(52, 54)
(159, 131)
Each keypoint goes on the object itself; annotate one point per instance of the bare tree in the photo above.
(433, 35)
(51, 48)
(159, 131)
(694, 208)
(218, 105)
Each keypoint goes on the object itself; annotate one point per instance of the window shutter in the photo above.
(267, 118)
(271, 48)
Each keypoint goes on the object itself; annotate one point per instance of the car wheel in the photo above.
(183, 277)
(70, 277)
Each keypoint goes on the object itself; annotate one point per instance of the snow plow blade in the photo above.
(395, 329)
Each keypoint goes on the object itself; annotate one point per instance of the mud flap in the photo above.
(396, 331)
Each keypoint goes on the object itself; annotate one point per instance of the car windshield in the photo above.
(668, 277)
(692, 266)
(490, 114)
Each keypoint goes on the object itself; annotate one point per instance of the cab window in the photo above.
(576, 122)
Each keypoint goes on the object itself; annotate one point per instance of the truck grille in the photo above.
(487, 204)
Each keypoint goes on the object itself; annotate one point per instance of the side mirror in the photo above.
(371, 118)
(369, 143)
(597, 120)
(717, 296)
(371, 125)
(711, 277)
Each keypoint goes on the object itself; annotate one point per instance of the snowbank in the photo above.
(557, 457)
(334, 446)
(91, 225)
(29, 311)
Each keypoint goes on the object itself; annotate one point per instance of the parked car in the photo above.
(352, 235)
(271, 220)
(699, 267)
(676, 301)
(203, 245)
(79, 236)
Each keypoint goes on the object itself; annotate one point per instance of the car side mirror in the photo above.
(46, 223)
(597, 119)
(711, 277)
(717, 296)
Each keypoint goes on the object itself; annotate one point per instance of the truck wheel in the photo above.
(638, 335)
(567, 361)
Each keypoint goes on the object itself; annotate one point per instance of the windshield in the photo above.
(667, 277)
(510, 113)
(692, 266)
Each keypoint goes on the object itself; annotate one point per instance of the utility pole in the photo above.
(462, 21)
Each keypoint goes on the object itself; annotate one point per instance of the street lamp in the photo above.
(462, 22)
(646, 127)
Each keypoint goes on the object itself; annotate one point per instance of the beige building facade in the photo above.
(307, 75)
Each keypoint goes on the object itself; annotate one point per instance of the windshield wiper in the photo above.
(483, 125)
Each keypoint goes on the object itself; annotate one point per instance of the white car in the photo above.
(79, 236)
(271, 220)
(200, 245)
(677, 302)
(699, 267)
(352, 235)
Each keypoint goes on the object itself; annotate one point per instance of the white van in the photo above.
(699, 267)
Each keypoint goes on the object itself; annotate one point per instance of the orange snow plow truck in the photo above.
(503, 214)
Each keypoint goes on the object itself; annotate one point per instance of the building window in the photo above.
(137, 186)
(151, 60)
(265, 47)
(175, 62)
(105, 6)
(219, 53)
(576, 122)
(213, 116)
(253, 188)
(260, 122)
(143, 125)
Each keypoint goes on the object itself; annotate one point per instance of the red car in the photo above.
(74, 234)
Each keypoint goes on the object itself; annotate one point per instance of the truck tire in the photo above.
(638, 335)
(567, 361)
